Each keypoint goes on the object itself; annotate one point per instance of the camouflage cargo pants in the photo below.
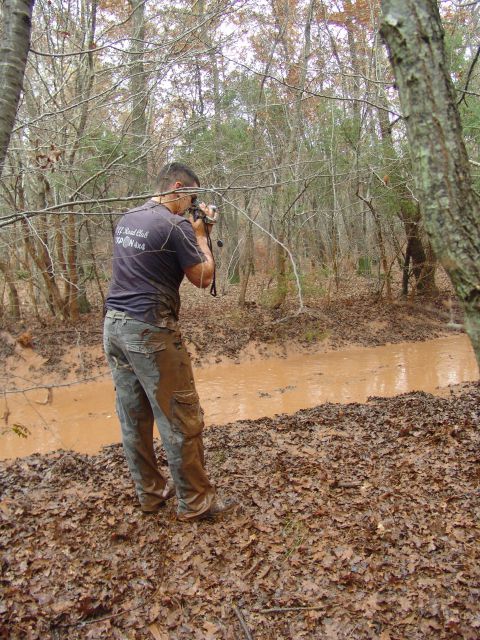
(153, 380)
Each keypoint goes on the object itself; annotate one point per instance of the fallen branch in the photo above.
(304, 311)
(84, 623)
(243, 624)
(289, 609)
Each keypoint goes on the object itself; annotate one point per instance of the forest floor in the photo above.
(354, 521)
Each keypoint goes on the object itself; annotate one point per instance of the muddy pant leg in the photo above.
(136, 419)
(179, 418)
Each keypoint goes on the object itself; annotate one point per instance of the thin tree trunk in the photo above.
(139, 93)
(381, 244)
(14, 299)
(291, 148)
(246, 264)
(85, 84)
(406, 270)
(94, 263)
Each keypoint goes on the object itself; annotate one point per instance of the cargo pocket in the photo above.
(147, 348)
(187, 415)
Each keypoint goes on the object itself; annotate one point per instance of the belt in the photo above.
(121, 315)
(166, 323)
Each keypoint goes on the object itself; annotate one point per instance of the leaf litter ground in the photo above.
(356, 521)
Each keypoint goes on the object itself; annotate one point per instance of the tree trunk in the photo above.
(406, 271)
(413, 32)
(94, 263)
(15, 37)
(41, 259)
(13, 296)
(407, 210)
(139, 93)
(423, 266)
(280, 274)
(85, 80)
(285, 200)
(245, 263)
(380, 244)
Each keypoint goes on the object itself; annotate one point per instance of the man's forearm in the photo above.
(201, 274)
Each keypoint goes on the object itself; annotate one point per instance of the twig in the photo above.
(55, 386)
(243, 624)
(6, 413)
(472, 66)
(254, 566)
(83, 623)
(288, 609)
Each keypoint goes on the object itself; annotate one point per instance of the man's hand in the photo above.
(200, 223)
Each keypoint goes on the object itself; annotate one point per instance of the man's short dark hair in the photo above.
(176, 171)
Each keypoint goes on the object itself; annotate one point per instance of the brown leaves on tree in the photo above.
(351, 526)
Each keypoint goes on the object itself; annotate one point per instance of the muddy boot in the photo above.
(215, 511)
(168, 493)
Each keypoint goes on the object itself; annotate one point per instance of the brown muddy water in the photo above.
(82, 417)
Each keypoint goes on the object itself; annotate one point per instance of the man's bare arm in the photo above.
(201, 274)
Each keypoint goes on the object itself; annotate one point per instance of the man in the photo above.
(154, 247)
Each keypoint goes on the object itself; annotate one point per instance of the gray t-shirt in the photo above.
(152, 247)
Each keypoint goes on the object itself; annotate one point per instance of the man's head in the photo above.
(176, 175)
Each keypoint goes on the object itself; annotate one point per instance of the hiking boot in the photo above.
(168, 493)
(215, 511)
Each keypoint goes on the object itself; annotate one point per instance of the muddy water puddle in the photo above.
(82, 417)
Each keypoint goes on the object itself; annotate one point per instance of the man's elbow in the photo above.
(200, 277)
(203, 282)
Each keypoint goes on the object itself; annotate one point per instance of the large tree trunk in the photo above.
(15, 43)
(414, 35)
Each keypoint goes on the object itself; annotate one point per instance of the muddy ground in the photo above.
(216, 329)
(354, 521)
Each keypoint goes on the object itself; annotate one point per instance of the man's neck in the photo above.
(168, 204)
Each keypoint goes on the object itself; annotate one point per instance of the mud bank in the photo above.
(355, 521)
(215, 330)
